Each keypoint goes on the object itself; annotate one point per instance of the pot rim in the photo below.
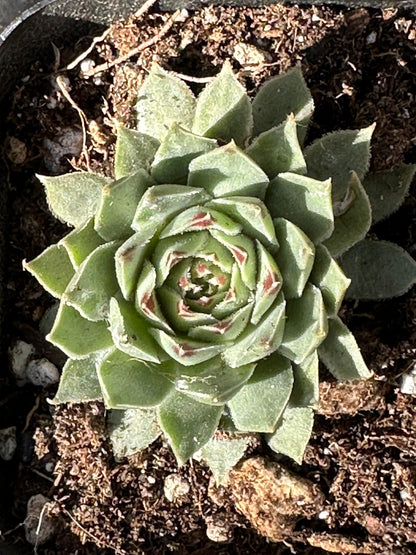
(25, 14)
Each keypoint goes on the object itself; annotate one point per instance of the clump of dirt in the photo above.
(359, 66)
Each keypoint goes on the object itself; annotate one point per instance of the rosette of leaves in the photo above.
(200, 288)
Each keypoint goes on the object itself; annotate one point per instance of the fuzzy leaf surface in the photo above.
(388, 189)
(306, 385)
(259, 404)
(81, 241)
(79, 382)
(340, 353)
(293, 434)
(378, 270)
(189, 425)
(304, 201)
(337, 154)
(278, 98)
(53, 269)
(222, 454)
(134, 151)
(73, 198)
(223, 109)
(132, 430)
(163, 99)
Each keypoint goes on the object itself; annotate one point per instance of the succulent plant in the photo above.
(201, 288)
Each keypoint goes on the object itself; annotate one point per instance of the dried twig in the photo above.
(192, 79)
(143, 9)
(84, 54)
(84, 122)
(153, 40)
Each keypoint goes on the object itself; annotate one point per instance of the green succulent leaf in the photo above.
(73, 197)
(340, 353)
(258, 406)
(188, 424)
(258, 341)
(79, 382)
(305, 202)
(228, 171)
(277, 150)
(223, 109)
(306, 325)
(252, 214)
(130, 332)
(280, 97)
(388, 189)
(162, 202)
(378, 270)
(269, 283)
(177, 150)
(212, 382)
(293, 434)
(184, 350)
(352, 219)
(221, 454)
(331, 280)
(130, 383)
(118, 205)
(295, 257)
(76, 336)
(306, 385)
(94, 283)
(146, 302)
(337, 154)
(134, 151)
(198, 218)
(81, 241)
(163, 99)
(129, 259)
(53, 269)
(132, 430)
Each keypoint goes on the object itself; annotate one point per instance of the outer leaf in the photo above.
(337, 154)
(189, 425)
(132, 430)
(79, 382)
(331, 280)
(278, 150)
(222, 454)
(134, 151)
(163, 99)
(73, 198)
(227, 171)
(130, 332)
(81, 241)
(162, 202)
(387, 190)
(306, 325)
(118, 205)
(174, 155)
(353, 219)
(341, 355)
(130, 383)
(306, 387)
(52, 268)
(293, 434)
(94, 283)
(211, 382)
(295, 257)
(304, 201)
(223, 109)
(378, 270)
(259, 341)
(259, 404)
(76, 336)
(278, 98)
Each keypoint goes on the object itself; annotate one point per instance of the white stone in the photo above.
(219, 528)
(408, 382)
(39, 527)
(176, 488)
(87, 65)
(371, 38)
(42, 372)
(20, 354)
(323, 515)
(8, 443)
(67, 143)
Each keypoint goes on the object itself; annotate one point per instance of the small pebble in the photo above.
(87, 65)
(42, 372)
(39, 527)
(8, 443)
(323, 515)
(176, 488)
(371, 38)
(408, 382)
(20, 354)
(219, 528)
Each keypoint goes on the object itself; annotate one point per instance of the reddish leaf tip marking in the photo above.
(185, 350)
(240, 254)
(271, 283)
(202, 220)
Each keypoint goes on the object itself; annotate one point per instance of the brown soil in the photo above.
(360, 66)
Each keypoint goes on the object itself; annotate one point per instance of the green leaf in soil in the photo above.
(221, 454)
(378, 270)
(73, 198)
(306, 386)
(132, 430)
(79, 382)
(293, 434)
(134, 151)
